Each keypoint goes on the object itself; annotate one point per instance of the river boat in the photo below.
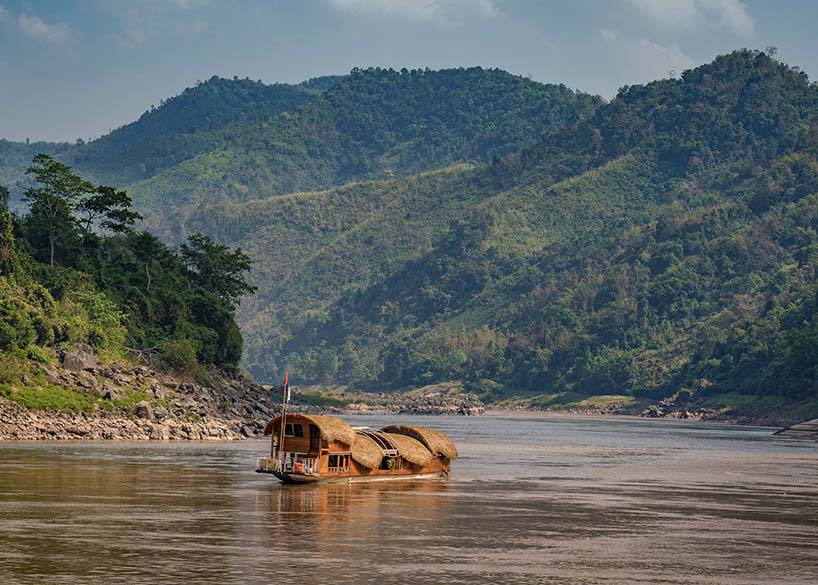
(321, 448)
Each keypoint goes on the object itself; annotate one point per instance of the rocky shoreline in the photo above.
(427, 403)
(17, 423)
(140, 403)
(137, 402)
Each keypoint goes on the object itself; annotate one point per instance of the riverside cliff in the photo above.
(118, 400)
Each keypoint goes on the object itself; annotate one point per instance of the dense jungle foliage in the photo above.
(226, 141)
(200, 119)
(72, 270)
(523, 238)
(666, 241)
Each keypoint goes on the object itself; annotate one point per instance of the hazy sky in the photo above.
(79, 68)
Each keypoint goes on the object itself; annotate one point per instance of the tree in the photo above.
(52, 203)
(112, 206)
(7, 255)
(216, 268)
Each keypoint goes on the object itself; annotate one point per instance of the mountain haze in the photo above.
(374, 123)
(665, 241)
(417, 227)
(198, 120)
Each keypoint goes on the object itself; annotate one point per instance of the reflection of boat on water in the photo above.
(313, 448)
(333, 525)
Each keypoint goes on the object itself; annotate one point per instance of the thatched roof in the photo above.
(367, 452)
(438, 443)
(411, 449)
(332, 428)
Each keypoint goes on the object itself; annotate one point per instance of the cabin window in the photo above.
(391, 463)
(293, 430)
(338, 462)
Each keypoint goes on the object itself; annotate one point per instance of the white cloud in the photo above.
(196, 27)
(4, 14)
(440, 11)
(35, 28)
(644, 59)
(145, 20)
(188, 4)
(734, 14)
(731, 15)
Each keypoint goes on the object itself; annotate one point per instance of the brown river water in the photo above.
(533, 499)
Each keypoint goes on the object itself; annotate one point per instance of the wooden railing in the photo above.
(289, 463)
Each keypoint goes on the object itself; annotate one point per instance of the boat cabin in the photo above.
(313, 448)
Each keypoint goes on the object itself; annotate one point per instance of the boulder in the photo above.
(682, 397)
(110, 392)
(52, 376)
(158, 391)
(159, 433)
(86, 380)
(161, 413)
(143, 410)
(79, 359)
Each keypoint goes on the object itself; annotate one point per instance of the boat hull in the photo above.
(293, 478)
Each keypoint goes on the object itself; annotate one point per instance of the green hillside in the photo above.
(374, 123)
(200, 119)
(226, 141)
(667, 241)
(416, 227)
(126, 294)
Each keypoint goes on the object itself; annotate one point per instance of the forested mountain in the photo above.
(666, 241)
(374, 123)
(226, 141)
(416, 227)
(198, 120)
(62, 283)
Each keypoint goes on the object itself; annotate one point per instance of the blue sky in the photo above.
(80, 68)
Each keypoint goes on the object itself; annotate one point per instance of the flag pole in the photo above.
(284, 397)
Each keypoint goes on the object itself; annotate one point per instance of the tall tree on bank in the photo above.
(52, 203)
(216, 268)
(111, 207)
(6, 237)
(62, 194)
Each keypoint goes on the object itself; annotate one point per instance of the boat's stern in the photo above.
(292, 468)
(266, 464)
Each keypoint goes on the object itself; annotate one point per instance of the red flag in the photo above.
(286, 387)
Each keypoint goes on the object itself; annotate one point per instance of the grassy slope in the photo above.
(200, 119)
(324, 242)
(309, 248)
(638, 274)
(375, 124)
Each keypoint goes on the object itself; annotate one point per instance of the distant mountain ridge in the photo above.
(666, 241)
(195, 121)
(237, 140)
(374, 123)
(417, 227)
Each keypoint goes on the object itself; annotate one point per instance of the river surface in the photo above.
(532, 499)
